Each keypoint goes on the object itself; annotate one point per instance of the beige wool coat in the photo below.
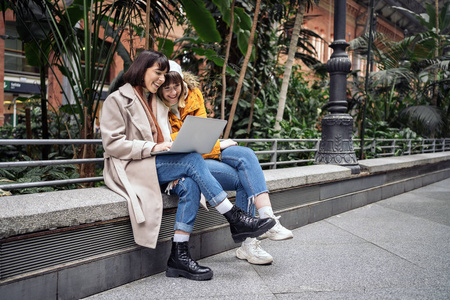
(129, 168)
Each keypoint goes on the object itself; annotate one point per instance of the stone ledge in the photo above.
(22, 214)
(278, 179)
(401, 162)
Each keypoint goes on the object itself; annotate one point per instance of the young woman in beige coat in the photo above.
(132, 126)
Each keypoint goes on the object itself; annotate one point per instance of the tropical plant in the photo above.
(61, 126)
(411, 86)
(79, 39)
(248, 54)
(301, 118)
(38, 174)
(210, 59)
(379, 131)
(303, 6)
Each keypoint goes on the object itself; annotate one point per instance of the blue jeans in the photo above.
(195, 178)
(239, 171)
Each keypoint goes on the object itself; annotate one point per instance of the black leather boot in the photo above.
(180, 263)
(243, 226)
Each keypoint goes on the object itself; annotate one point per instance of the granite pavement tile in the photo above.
(398, 248)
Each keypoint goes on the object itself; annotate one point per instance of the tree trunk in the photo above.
(225, 62)
(288, 66)
(252, 105)
(243, 70)
(148, 27)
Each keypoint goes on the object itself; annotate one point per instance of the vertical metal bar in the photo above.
(14, 113)
(274, 154)
(393, 148)
(374, 147)
(366, 83)
(28, 127)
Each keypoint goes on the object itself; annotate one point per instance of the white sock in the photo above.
(180, 238)
(265, 212)
(224, 207)
(248, 241)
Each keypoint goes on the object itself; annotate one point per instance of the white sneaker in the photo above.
(253, 253)
(277, 232)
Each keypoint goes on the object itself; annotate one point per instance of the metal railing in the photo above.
(38, 163)
(396, 147)
(271, 154)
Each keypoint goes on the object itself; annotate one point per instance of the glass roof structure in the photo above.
(402, 19)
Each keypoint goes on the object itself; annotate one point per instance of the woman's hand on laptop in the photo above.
(164, 146)
(227, 143)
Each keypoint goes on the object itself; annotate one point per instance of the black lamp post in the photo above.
(336, 146)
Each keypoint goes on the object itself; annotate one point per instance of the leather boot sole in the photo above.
(240, 237)
(171, 272)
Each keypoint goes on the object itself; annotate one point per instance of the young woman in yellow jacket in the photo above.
(235, 168)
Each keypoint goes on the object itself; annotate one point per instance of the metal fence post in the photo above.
(274, 154)
(373, 147)
(393, 148)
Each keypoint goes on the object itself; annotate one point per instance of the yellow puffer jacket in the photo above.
(195, 106)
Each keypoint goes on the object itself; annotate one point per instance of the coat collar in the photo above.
(127, 91)
(160, 111)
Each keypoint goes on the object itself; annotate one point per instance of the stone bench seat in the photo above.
(22, 214)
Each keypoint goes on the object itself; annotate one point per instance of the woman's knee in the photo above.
(238, 151)
(195, 160)
(187, 187)
(243, 155)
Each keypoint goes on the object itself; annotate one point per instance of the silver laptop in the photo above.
(197, 134)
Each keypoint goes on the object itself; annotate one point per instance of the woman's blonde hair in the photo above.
(173, 77)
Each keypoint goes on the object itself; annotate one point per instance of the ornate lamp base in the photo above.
(336, 146)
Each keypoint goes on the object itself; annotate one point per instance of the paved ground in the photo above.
(398, 248)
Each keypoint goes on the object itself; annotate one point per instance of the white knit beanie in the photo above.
(174, 66)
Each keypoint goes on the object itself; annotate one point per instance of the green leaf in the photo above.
(242, 21)
(165, 46)
(212, 55)
(202, 20)
(240, 132)
(32, 54)
(243, 38)
(75, 11)
(242, 24)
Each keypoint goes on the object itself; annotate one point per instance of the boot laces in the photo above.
(239, 213)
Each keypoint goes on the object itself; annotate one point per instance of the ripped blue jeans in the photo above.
(194, 178)
(239, 171)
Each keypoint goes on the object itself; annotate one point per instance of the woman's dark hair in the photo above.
(148, 58)
(173, 77)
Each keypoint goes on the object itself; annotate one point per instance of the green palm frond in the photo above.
(390, 77)
(424, 118)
